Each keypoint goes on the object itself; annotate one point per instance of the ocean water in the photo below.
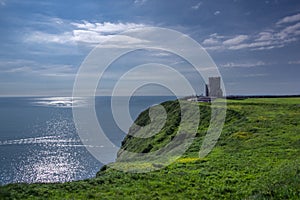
(39, 142)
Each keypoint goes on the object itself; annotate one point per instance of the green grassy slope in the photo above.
(256, 157)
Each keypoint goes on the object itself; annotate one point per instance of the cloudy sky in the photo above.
(255, 44)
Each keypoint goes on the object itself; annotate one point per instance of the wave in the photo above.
(62, 102)
(38, 140)
(49, 141)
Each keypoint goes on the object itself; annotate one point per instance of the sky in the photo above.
(255, 44)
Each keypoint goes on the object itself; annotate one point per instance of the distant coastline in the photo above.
(260, 96)
(250, 96)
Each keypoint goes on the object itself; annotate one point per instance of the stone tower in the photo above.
(214, 87)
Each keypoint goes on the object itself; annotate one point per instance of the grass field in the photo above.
(256, 157)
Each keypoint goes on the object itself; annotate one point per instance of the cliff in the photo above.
(256, 157)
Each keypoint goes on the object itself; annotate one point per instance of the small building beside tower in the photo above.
(213, 91)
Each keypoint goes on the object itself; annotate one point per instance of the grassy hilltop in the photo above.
(256, 157)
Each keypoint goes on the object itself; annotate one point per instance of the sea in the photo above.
(39, 141)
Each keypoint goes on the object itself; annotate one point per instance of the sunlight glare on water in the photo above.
(49, 160)
(46, 147)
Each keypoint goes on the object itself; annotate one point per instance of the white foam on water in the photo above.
(47, 140)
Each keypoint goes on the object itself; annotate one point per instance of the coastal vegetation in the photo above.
(256, 157)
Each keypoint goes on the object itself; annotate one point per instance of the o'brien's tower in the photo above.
(214, 87)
